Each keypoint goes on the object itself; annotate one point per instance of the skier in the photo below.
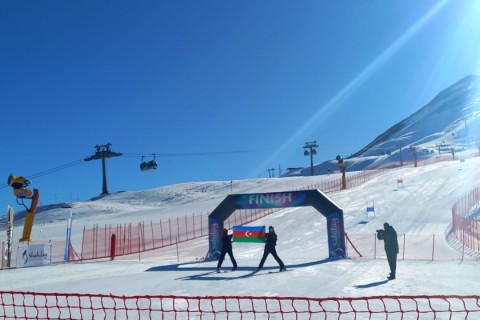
(389, 236)
(226, 248)
(270, 243)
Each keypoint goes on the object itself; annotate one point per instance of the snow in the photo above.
(421, 208)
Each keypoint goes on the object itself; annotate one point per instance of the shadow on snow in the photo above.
(210, 273)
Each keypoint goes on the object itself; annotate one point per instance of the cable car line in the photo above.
(147, 165)
(48, 171)
(187, 154)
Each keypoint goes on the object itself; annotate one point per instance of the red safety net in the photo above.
(465, 220)
(30, 305)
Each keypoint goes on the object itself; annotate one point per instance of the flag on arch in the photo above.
(248, 234)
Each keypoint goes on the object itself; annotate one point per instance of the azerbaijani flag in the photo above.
(248, 234)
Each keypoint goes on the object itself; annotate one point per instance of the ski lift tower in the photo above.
(103, 152)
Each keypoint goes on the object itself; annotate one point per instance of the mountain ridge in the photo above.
(449, 123)
(456, 98)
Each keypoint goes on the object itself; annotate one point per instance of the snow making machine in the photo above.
(22, 193)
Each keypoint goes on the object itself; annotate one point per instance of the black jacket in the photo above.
(226, 242)
(389, 236)
(271, 240)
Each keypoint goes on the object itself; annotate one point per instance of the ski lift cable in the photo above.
(58, 168)
(135, 155)
(48, 171)
(186, 154)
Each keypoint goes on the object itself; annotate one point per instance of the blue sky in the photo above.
(217, 90)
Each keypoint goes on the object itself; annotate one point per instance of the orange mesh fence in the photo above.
(354, 179)
(466, 220)
(148, 236)
(30, 305)
(411, 247)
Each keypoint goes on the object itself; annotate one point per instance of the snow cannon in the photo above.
(19, 185)
(21, 192)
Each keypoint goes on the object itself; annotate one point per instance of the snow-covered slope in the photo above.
(422, 208)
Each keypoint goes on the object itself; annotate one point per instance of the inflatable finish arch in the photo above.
(313, 198)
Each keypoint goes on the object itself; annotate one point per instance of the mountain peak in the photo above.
(448, 122)
(443, 120)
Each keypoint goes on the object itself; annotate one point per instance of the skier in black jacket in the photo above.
(226, 248)
(389, 236)
(270, 243)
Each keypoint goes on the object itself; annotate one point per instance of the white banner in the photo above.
(34, 255)
(7, 258)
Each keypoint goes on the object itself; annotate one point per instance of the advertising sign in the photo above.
(271, 200)
(215, 238)
(336, 235)
(34, 255)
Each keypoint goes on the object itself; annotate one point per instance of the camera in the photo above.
(380, 234)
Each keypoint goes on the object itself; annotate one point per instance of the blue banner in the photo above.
(336, 235)
(66, 256)
(215, 229)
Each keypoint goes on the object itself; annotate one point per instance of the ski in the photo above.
(279, 271)
(269, 272)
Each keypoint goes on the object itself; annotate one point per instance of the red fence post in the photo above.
(112, 247)
(83, 244)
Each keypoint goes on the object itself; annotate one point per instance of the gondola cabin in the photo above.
(148, 165)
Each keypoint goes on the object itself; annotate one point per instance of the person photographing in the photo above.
(389, 237)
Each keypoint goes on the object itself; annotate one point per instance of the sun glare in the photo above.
(324, 112)
(469, 34)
